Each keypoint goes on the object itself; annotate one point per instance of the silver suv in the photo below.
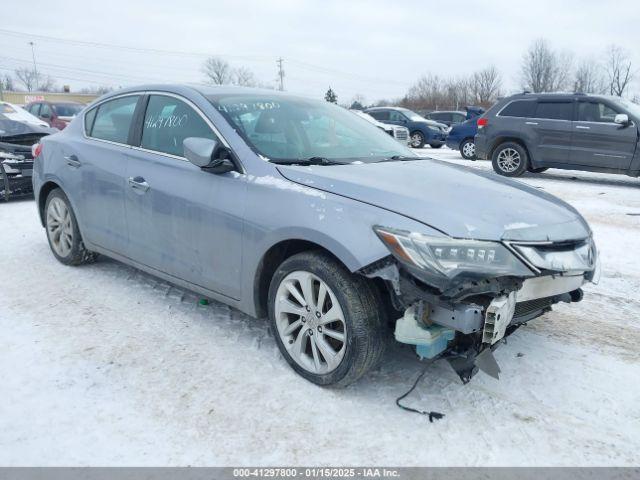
(298, 210)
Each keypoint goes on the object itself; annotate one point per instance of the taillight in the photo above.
(36, 150)
(482, 122)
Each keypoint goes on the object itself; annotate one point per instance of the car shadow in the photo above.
(606, 181)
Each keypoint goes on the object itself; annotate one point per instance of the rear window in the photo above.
(113, 119)
(380, 114)
(519, 108)
(555, 110)
(66, 109)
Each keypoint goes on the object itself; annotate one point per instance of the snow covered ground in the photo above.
(104, 365)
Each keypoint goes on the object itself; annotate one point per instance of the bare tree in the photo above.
(6, 83)
(217, 71)
(28, 77)
(34, 81)
(618, 67)
(589, 78)
(485, 86)
(244, 77)
(543, 69)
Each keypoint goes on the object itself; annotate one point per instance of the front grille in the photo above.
(530, 306)
(402, 134)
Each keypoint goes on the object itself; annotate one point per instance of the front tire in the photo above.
(417, 139)
(62, 231)
(538, 170)
(327, 322)
(468, 149)
(436, 145)
(510, 159)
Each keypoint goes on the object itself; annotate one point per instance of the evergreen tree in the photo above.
(331, 96)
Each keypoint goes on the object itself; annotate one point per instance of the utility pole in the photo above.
(280, 72)
(35, 68)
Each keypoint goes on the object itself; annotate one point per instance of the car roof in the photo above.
(556, 95)
(388, 108)
(447, 111)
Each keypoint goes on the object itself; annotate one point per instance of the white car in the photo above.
(399, 133)
(19, 114)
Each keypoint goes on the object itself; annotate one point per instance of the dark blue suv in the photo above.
(421, 130)
(461, 135)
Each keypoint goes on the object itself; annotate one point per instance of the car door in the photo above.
(397, 118)
(600, 142)
(96, 163)
(182, 220)
(549, 131)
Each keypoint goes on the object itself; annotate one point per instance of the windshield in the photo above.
(289, 129)
(632, 108)
(66, 109)
(412, 115)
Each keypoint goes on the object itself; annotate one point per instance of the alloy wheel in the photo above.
(469, 149)
(509, 160)
(310, 322)
(59, 227)
(416, 140)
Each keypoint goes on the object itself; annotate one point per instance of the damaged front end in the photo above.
(461, 297)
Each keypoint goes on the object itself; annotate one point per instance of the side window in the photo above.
(395, 116)
(519, 108)
(88, 120)
(45, 110)
(168, 121)
(596, 112)
(113, 119)
(554, 110)
(34, 109)
(458, 117)
(381, 115)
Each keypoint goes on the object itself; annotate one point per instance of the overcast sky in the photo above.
(376, 48)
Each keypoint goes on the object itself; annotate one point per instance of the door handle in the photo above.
(582, 127)
(138, 183)
(73, 161)
(531, 123)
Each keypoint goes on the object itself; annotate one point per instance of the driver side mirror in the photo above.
(208, 154)
(622, 119)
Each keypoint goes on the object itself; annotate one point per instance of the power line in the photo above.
(299, 64)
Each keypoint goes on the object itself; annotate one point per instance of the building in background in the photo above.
(23, 98)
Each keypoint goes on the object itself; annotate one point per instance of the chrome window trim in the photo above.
(142, 149)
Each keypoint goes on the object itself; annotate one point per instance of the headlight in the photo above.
(450, 256)
(434, 129)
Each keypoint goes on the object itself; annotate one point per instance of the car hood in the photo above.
(458, 201)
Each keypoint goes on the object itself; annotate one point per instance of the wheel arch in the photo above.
(273, 257)
(44, 192)
(509, 138)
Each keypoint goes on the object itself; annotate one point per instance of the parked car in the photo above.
(399, 133)
(56, 114)
(533, 132)
(16, 158)
(448, 117)
(422, 131)
(295, 209)
(461, 137)
(19, 114)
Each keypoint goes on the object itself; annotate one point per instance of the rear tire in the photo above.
(510, 159)
(331, 338)
(468, 149)
(62, 231)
